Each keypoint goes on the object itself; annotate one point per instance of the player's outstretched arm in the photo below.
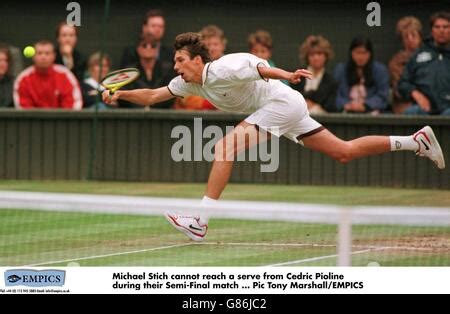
(279, 74)
(143, 97)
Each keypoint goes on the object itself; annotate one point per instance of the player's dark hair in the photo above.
(352, 75)
(193, 44)
(439, 15)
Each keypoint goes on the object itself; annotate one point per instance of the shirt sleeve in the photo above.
(179, 88)
(22, 95)
(245, 68)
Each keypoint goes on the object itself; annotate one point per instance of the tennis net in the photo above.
(103, 230)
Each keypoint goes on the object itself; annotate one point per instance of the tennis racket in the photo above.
(117, 79)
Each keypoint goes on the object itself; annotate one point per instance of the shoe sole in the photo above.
(187, 232)
(436, 147)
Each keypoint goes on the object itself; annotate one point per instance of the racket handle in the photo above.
(112, 91)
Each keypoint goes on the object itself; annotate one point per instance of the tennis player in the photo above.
(241, 82)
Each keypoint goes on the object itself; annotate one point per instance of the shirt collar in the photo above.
(205, 73)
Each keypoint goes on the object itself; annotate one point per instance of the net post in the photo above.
(345, 238)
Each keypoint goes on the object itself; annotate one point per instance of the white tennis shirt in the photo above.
(233, 83)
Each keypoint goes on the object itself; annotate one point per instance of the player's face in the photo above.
(411, 40)
(317, 60)
(441, 31)
(44, 57)
(67, 36)
(155, 26)
(261, 51)
(216, 47)
(3, 64)
(360, 56)
(189, 69)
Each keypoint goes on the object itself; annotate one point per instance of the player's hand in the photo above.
(110, 99)
(296, 76)
(421, 100)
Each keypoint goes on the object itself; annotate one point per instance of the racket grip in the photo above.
(112, 91)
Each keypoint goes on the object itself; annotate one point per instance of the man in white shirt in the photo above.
(244, 83)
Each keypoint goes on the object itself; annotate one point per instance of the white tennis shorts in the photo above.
(290, 119)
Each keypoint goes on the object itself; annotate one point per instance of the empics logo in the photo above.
(35, 278)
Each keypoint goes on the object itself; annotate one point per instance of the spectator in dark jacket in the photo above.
(320, 91)
(363, 82)
(426, 78)
(6, 80)
(66, 52)
(151, 71)
(154, 25)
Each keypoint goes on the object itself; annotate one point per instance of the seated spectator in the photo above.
(46, 84)
(151, 71)
(15, 61)
(363, 84)
(90, 86)
(216, 42)
(260, 44)
(320, 91)
(6, 80)
(66, 52)
(409, 29)
(426, 77)
(154, 25)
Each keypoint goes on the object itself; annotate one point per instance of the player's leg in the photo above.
(243, 136)
(344, 151)
(423, 142)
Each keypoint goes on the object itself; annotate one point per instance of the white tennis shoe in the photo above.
(429, 146)
(189, 225)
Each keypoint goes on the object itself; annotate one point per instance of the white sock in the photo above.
(403, 143)
(203, 217)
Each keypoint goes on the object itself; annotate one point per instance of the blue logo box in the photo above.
(35, 278)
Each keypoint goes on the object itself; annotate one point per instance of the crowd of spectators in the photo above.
(415, 81)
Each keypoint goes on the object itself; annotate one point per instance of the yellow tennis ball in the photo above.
(29, 51)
